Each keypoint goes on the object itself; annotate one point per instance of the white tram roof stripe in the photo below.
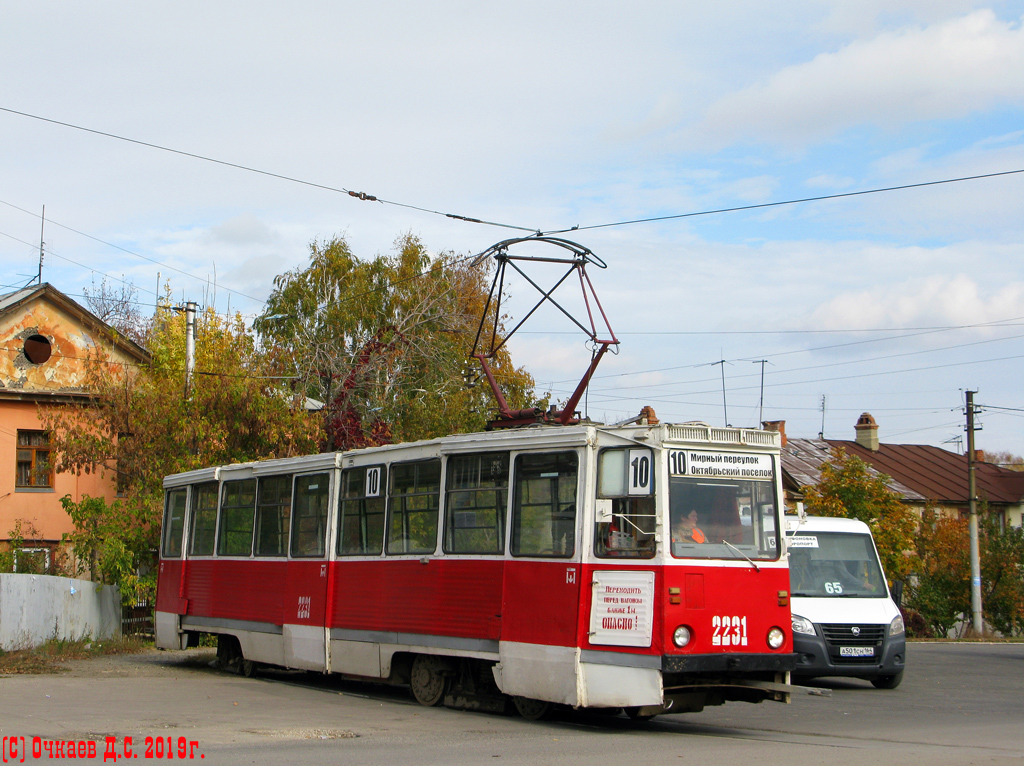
(512, 440)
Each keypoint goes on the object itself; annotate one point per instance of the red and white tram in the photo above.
(536, 563)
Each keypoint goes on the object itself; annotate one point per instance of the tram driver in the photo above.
(685, 529)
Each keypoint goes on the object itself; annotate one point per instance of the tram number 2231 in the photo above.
(729, 630)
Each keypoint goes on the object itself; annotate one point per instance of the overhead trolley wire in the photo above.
(373, 198)
(862, 192)
(337, 189)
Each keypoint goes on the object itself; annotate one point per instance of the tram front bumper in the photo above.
(728, 663)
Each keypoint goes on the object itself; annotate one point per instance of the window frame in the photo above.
(405, 512)
(500, 507)
(361, 515)
(224, 533)
(516, 530)
(33, 461)
(272, 511)
(168, 524)
(322, 516)
(197, 512)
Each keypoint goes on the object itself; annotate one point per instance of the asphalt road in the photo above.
(959, 704)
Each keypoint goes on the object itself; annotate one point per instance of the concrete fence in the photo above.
(36, 608)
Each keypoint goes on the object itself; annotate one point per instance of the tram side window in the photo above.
(361, 526)
(237, 514)
(626, 519)
(273, 515)
(544, 510)
(174, 522)
(309, 522)
(476, 495)
(412, 507)
(204, 519)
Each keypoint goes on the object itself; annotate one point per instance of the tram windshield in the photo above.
(722, 506)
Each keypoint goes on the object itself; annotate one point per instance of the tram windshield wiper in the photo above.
(744, 555)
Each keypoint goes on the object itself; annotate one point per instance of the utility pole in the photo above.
(976, 619)
(725, 407)
(760, 408)
(190, 345)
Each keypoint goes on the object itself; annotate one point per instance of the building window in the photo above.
(34, 470)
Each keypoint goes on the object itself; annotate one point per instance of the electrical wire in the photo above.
(763, 205)
(339, 190)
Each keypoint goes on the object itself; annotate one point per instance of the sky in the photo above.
(554, 115)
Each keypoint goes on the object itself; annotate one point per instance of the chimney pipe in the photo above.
(867, 432)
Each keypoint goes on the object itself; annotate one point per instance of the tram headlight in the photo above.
(682, 636)
(896, 626)
(776, 638)
(802, 625)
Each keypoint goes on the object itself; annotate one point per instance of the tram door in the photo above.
(305, 600)
(542, 578)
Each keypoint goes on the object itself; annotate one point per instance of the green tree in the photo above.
(139, 426)
(848, 488)
(384, 342)
(1002, 574)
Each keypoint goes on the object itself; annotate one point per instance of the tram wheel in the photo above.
(532, 710)
(429, 680)
(249, 668)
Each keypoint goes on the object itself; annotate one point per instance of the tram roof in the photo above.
(513, 439)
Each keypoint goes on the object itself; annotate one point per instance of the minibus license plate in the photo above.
(856, 651)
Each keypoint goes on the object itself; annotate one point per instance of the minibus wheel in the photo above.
(887, 682)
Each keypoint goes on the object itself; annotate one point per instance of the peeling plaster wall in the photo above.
(64, 372)
(71, 345)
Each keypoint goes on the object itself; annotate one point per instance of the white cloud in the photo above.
(946, 70)
(929, 301)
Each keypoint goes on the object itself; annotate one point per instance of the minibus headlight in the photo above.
(682, 636)
(896, 626)
(802, 625)
(776, 638)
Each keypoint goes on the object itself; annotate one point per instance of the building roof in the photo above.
(802, 459)
(939, 474)
(10, 302)
(917, 472)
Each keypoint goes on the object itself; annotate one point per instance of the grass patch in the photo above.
(51, 656)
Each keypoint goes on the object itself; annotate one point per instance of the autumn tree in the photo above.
(139, 426)
(941, 588)
(384, 342)
(849, 489)
(1004, 459)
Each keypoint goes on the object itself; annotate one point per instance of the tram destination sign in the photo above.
(720, 465)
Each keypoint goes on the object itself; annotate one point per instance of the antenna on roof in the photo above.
(42, 226)
(821, 433)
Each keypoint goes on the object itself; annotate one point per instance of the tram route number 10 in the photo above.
(729, 630)
(373, 482)
(639, 472)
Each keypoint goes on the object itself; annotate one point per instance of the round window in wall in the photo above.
(38, 349)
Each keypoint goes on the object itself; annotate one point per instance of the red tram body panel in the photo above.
(636, 567)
